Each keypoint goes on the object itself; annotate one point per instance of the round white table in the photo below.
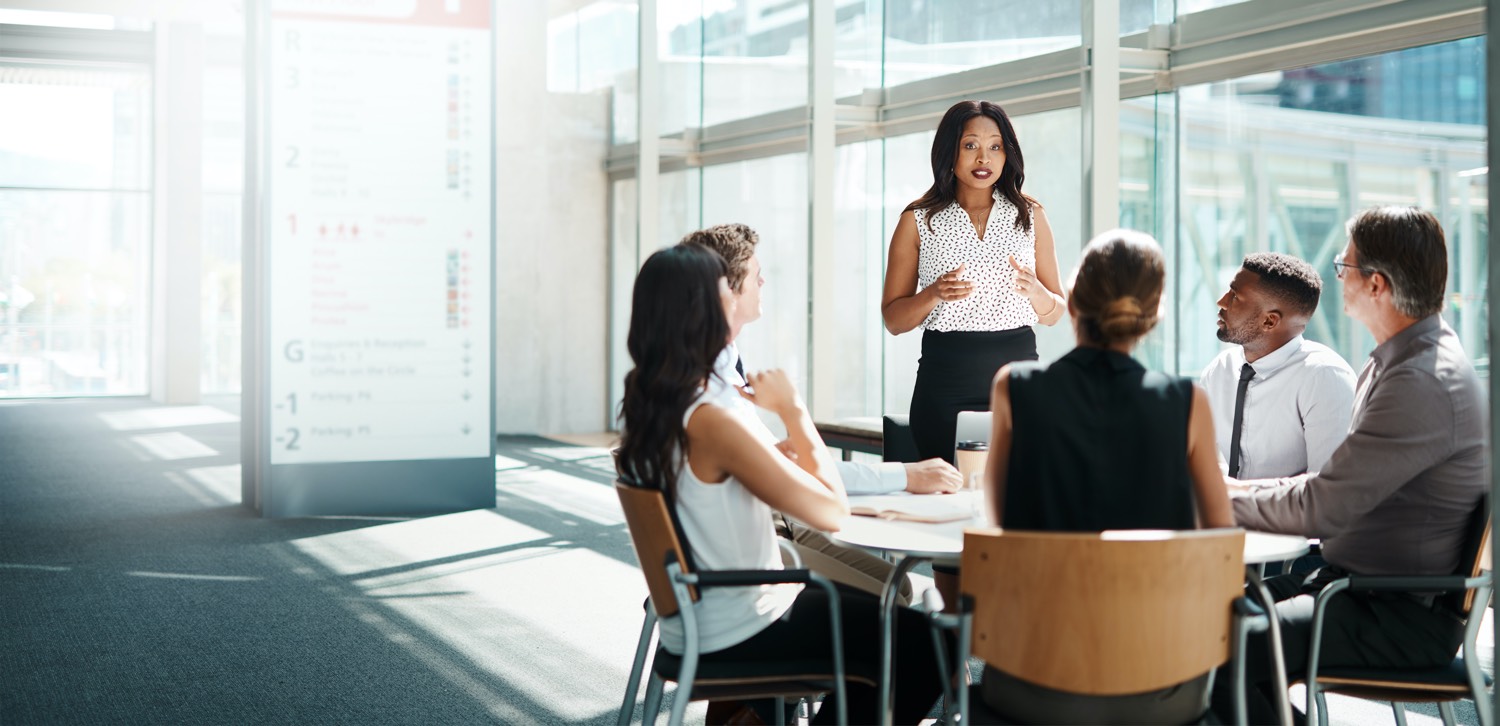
(912, 543)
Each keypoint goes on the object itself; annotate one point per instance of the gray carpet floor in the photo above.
(135, 589)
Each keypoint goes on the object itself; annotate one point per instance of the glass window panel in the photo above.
(83, 127)
(908, 173)
(858, 41)
(680, 50)
(75, 245)
(927, 39)
(74, 298)
(1145, 139)
(1138, 15)
(92, 21)
(624, 261)
(592, 47)
(223, 179)
(681, 208)
(754, 58)
(1050, 143)
(1192, 6)
(858, 281)
(1280, 161)
(770, 195)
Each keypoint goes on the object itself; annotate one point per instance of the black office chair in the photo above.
(1468, 595)
(899, 444)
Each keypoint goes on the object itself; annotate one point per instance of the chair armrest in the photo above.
(740, 578)
(1413, 583)
(788, 548)
(1251, 613)
(1247, 608)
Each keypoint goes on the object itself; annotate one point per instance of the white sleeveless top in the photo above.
(994, 305)
(727, 528)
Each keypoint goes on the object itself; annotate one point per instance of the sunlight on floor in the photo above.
(568, 495)
(551, 614)
(172, 446)
(505, 463)
(166, 417)
(570, 453)
(416, 543)
(222, 483)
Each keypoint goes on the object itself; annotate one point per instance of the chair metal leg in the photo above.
(642, 652)
(1322, 709)
(780, 711)
(1477, 690)
(654, 686)
(684, 689)
(1400, 711)
(1445, 709)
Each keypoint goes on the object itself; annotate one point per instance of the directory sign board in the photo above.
(376, 216)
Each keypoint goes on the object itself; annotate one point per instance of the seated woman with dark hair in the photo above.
(1094, 441)
(724, 480)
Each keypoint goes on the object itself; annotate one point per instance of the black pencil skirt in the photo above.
(954, 374)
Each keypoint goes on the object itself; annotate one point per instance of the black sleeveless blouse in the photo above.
(1099, 443)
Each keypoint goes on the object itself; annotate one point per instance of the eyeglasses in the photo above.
(1339, 265)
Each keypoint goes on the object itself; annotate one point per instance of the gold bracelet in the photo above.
(1051, 309)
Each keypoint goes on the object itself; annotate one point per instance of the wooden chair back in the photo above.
(1476, 555)
(1109, 613)
(654, 536)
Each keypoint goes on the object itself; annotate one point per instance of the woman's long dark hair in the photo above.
(677, 329)
(950, 132)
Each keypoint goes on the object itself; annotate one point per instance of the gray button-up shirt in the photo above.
(1395, 497)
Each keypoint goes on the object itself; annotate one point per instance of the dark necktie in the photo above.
(739, 367)
(1246, 373)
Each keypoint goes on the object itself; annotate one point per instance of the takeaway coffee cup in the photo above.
(970, 458)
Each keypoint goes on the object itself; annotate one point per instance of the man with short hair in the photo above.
(1281, 403)
(736, 244)
(1395, 497)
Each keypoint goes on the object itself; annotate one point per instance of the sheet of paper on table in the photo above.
(915, 508)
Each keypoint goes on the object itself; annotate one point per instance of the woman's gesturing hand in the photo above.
(773, 391)
(950, 287)
(1027, 284)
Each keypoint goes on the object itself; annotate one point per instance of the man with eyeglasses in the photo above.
(1281, 403)
(1396, 495)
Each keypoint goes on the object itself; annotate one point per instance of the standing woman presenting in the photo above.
(973, 263)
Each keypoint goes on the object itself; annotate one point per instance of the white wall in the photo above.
(551, 254)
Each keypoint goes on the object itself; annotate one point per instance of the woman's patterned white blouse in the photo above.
(995, 304)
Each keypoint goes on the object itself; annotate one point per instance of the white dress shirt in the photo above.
(858, 478)
(1297, 407)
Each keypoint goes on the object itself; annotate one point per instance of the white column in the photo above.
(1100, 101)
(177, 252)
(648, 126)
(822, 261)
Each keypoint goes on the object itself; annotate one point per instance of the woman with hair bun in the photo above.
(1094, 441)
